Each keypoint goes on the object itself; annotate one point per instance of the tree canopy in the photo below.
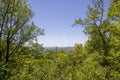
(23, 59)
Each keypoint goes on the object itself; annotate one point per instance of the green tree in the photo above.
(114, 34)
(103, 32)
(16, 28)
(95, 25)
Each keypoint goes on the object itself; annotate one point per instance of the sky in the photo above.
(56, 18)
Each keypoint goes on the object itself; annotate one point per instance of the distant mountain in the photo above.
(58, 48)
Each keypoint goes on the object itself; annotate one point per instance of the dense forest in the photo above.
(21, 58)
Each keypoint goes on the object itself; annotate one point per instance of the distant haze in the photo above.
(58, 48)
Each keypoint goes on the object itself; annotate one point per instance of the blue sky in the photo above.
(56, 18)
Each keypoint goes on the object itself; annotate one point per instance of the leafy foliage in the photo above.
(22, 59)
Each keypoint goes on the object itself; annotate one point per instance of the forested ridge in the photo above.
(22, 58)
